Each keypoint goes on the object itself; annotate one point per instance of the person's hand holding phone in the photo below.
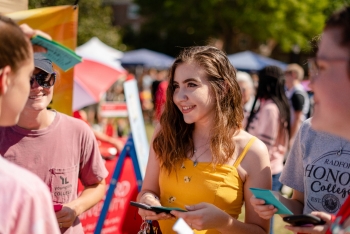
(318, 229)
(151, 200)
(303, 220)
(204, 216)
(263, 210)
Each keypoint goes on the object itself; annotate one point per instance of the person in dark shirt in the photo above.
(298, 97)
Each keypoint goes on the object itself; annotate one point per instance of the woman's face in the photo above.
(332, 86)
(15, 97)
(39, 98)
(192, 94)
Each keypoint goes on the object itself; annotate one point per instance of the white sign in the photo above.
(181, 227)
(113, 109)
(137, 124)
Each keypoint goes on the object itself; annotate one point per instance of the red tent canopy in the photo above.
(94, 78)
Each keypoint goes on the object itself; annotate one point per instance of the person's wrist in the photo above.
(227, 224)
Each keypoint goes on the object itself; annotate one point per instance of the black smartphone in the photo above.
(157, 209)
(303, 219)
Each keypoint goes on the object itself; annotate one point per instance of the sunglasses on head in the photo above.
(44, 79)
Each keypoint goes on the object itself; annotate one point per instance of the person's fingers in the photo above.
(322, 215)
(267, 214)
(60, 214)
(256, 201)
(179, 214)
(166, 216)
(63, 224)
(311, 230)
(43, 34)
(196, 206)
(28, 31)
(143, 213)
(150, 215)
(155, 217)
(295, 229)
(263, 208)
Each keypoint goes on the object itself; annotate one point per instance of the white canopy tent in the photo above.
(96, 50)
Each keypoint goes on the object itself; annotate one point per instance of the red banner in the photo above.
(121, 217)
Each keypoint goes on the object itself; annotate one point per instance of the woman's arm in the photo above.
(256, 165)
(150, 188)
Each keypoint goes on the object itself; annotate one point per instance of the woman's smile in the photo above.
(187, 109)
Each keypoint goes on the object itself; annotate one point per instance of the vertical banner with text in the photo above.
(61, 23)
(137, 124)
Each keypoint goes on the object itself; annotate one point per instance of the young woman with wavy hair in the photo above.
(201, 160)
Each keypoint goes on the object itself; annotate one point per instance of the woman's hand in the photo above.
(204, 216)
(264, 211)
(151, 200)
(319, 229)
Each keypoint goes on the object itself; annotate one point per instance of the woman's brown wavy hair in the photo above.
(174, 140)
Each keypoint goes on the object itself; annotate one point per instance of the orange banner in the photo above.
(61, 23)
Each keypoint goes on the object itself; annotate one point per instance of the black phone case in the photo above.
(158, 210)
(300, 220)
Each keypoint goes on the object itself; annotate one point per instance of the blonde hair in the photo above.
(296, 68)
(245, 77)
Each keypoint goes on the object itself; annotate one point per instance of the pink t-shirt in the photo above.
(59, 155)
(265, 126)
(25, 202)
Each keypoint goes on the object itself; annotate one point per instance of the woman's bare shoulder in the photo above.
(257, 150)
(257, 158)
(243, 137)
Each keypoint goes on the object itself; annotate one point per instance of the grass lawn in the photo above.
(278, 222)
(278, 225)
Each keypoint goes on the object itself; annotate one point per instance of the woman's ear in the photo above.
(4, 79)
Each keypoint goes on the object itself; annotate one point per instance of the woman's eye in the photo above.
(175, 86)
(191, 85)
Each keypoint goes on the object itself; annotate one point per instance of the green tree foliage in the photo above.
(237, 23)
(94, 20)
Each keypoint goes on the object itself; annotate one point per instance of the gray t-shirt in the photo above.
(318, 165)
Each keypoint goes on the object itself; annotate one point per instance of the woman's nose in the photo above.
(180, 95)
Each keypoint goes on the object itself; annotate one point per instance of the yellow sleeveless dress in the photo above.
(191, 184)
